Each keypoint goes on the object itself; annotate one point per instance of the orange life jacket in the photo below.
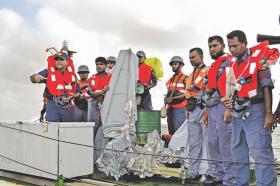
(246, 72)
(196, 81)
(178, 85)
(270, 55)
(85, 90)
(60, 83)
(145, 73)
(213, 74)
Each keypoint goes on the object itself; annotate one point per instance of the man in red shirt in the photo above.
(148, 79)
(98, 86)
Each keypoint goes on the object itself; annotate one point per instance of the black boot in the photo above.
(211, 181)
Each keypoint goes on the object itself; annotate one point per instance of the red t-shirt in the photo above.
(97, 82)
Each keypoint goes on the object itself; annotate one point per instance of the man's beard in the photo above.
(219, 54)
(101, 72)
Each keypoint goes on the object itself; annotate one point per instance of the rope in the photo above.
(123, 151)
(186, 158)
(140, 153)
(47, 172)
(26, 165)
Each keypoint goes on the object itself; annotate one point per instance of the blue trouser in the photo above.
(55, 113)
(146, 102)
(95, 116)
(175, 118)
(80, 115)
(219, 145)
(195, 139)
(250, 136)
(100, 143)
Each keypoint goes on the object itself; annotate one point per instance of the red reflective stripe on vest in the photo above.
(97, 82)
(145, 73)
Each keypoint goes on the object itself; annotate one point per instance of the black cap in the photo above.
(61, 55)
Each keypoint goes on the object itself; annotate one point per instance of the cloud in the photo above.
(102, 28)
(19, 55)
(130, 23)
(22, 47)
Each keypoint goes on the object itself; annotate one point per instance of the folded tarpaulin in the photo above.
(179, 142)
(121, 90)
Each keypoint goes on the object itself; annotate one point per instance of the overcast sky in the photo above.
(101, 28)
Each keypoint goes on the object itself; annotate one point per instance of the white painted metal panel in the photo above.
(44, 153)
(76, 160)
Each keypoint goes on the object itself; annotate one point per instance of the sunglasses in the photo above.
(59, 59)
(85, 72)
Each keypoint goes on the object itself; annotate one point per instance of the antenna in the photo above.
(65, 45)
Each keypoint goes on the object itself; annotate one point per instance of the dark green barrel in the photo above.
(147, 122)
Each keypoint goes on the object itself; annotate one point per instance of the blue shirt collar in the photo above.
(244, 57)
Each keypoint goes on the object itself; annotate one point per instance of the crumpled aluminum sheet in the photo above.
(139, 160)
(116, 155)
(114, 162)
(122, 156)
(147, 157)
